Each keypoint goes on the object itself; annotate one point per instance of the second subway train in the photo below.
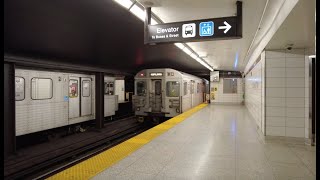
(161, 93)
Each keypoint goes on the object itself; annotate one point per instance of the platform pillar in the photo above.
(9, 119)
(99, 99)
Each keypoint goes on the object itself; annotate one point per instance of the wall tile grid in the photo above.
(221, 98)
(254, 101)
(286, 97)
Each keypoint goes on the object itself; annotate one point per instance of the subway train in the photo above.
(51, 99)
(164, 93)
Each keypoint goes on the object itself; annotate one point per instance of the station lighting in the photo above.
(179, 45)
(138, 12)
(125, 3)
(187, 51)
(312, 56)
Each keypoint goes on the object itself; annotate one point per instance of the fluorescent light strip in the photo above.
(138, 12)
(236, 60)
(312, 56)
(124, 3)
(179, 45)
(187, 50)
(194, 56)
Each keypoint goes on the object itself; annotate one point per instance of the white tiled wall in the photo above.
(286, 96)
(254, 93)
(221, 98)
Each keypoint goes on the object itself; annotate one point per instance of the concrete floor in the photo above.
(218, 142)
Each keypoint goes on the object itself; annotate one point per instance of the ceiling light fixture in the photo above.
(138, 12)
(125, 3)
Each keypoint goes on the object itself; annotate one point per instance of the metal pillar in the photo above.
(9, 110)
(239, 18)
(147, 22)
(99, 98)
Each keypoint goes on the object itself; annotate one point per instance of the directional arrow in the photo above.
(226, 27)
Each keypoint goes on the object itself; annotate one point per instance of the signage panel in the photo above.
(199, 30)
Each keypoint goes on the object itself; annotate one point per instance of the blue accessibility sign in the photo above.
(206, 28)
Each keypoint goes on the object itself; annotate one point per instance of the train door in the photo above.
(86, 97)
(192, 93)
(156, 95)
(74, 98)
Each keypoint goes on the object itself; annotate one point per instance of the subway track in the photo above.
(43, 160)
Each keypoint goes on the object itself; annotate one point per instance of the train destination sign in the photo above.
(221, 28)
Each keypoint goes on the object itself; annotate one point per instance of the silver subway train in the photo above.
(167, 93)
(50, 99)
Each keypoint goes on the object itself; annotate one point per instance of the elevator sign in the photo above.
(199, 30)
(221, 28)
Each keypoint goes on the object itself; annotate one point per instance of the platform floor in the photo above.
(218, 142)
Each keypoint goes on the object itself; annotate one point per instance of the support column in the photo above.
(99, 99)
(9, 110)
(147, 22)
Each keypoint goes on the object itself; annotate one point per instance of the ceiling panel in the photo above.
(220, 54)
(298, 28)
(96, 32)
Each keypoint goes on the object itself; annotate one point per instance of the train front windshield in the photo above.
(141, 88)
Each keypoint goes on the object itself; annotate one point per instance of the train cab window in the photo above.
(141, 88)
(192, 88)
(185, 88)
(86, 88)
(198, 87)
(157, 87)
(229, 86)
(108, 88)
(41, 88)
(20, 86)
(73, 88)
(173, 89)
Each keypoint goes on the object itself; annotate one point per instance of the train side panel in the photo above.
(44, 105)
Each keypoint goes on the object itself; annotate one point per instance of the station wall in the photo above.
(254, 93)
(285, 97)
(219, 97)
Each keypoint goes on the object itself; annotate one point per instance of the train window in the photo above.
(111, 92)
(192, 88)
(185, 88)
(41, 88)
(73, 88)
(229, 86)
(198, 87)
(157, 87)
(20, 87)
(108, 88)
(141, 88)
(173, 89)
(86, 88)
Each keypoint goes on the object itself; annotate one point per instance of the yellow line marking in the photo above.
(91, 167)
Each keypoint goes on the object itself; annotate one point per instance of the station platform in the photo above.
(206, 142)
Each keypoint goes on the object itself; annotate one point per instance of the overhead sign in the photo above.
(197, 30)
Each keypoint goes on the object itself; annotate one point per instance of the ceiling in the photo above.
(297, 29)
(104, 34)
(96, 33)
(222, 54)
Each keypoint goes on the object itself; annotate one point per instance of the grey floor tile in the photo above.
(218, 142)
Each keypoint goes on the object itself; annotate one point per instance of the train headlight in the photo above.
(178, 110)
(138, 109)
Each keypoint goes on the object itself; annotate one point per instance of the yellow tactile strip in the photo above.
(91, 167)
